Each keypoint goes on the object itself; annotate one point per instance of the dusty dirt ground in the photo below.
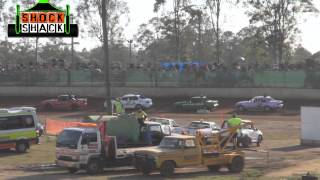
(279, 156)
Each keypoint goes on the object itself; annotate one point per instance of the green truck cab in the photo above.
(197, 103)
(18, 128)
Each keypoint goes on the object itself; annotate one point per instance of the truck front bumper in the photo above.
(68, 164)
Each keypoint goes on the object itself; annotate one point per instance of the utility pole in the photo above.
(72, 60)
(105, 29)
(37, 40)
(130, 49)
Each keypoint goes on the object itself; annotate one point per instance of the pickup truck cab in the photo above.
(187, 151)
(93, 149)
(197, 103)
(134, 101)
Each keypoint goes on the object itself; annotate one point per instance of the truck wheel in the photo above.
(167, 169)
(93, 167)
(214, 168)
(72, 170)
(259, 140)
(236, 165)
(146, 167)
(48, 107)
(21, 147)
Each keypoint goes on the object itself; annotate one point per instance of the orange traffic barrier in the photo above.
(54, 127)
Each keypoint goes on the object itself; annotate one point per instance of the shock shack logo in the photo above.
(43, 20)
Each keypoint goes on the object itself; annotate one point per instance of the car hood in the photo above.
(155, 151)
(49, 100)
(212, 101)
(276, 101)
(243, 102)
(180, 102)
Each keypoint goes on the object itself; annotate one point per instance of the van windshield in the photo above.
(69, 138)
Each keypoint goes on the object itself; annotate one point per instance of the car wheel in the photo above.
(236, 165)
(138, 106)
(241, 109)
(260, 138)
(21, 147)
(214, 168)
(93, 167)
(167, 169)
(245, 141)
(74, 107)
(48, 107)
(267, 109)
(72, 170)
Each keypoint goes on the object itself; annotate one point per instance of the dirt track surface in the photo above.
(280, 154)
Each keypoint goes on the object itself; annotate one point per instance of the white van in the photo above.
(18, 128)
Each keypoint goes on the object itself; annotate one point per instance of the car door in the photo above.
(254, 135)
(250, 131)
(256, 104)
(133, 101)
(62, 102)
(124, 102)
(191, 154)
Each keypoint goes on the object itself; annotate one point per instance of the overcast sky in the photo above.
(233, 19)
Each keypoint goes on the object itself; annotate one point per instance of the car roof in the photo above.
(263, 97)
(179, 136)
(129, 95)
(160, 118)
(152, 123)
(82, 129)
(206, 122)
(199, 97)
(16, 111)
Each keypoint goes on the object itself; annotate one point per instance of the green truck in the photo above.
(197, 103)
(18, 128)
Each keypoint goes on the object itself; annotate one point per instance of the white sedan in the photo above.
(168, 125)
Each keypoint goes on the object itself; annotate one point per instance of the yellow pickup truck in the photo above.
(178, 151)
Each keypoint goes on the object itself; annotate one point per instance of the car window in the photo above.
(155, 128)
(133, 98)
(17, 122)
(199, 125)
(142, 97)
(161, 121)
(189, 143)
(124, 99)
(63, 98)
(196, 100)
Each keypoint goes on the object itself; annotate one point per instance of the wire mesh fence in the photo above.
(210, 79)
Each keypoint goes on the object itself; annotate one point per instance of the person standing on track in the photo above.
(234, 121)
